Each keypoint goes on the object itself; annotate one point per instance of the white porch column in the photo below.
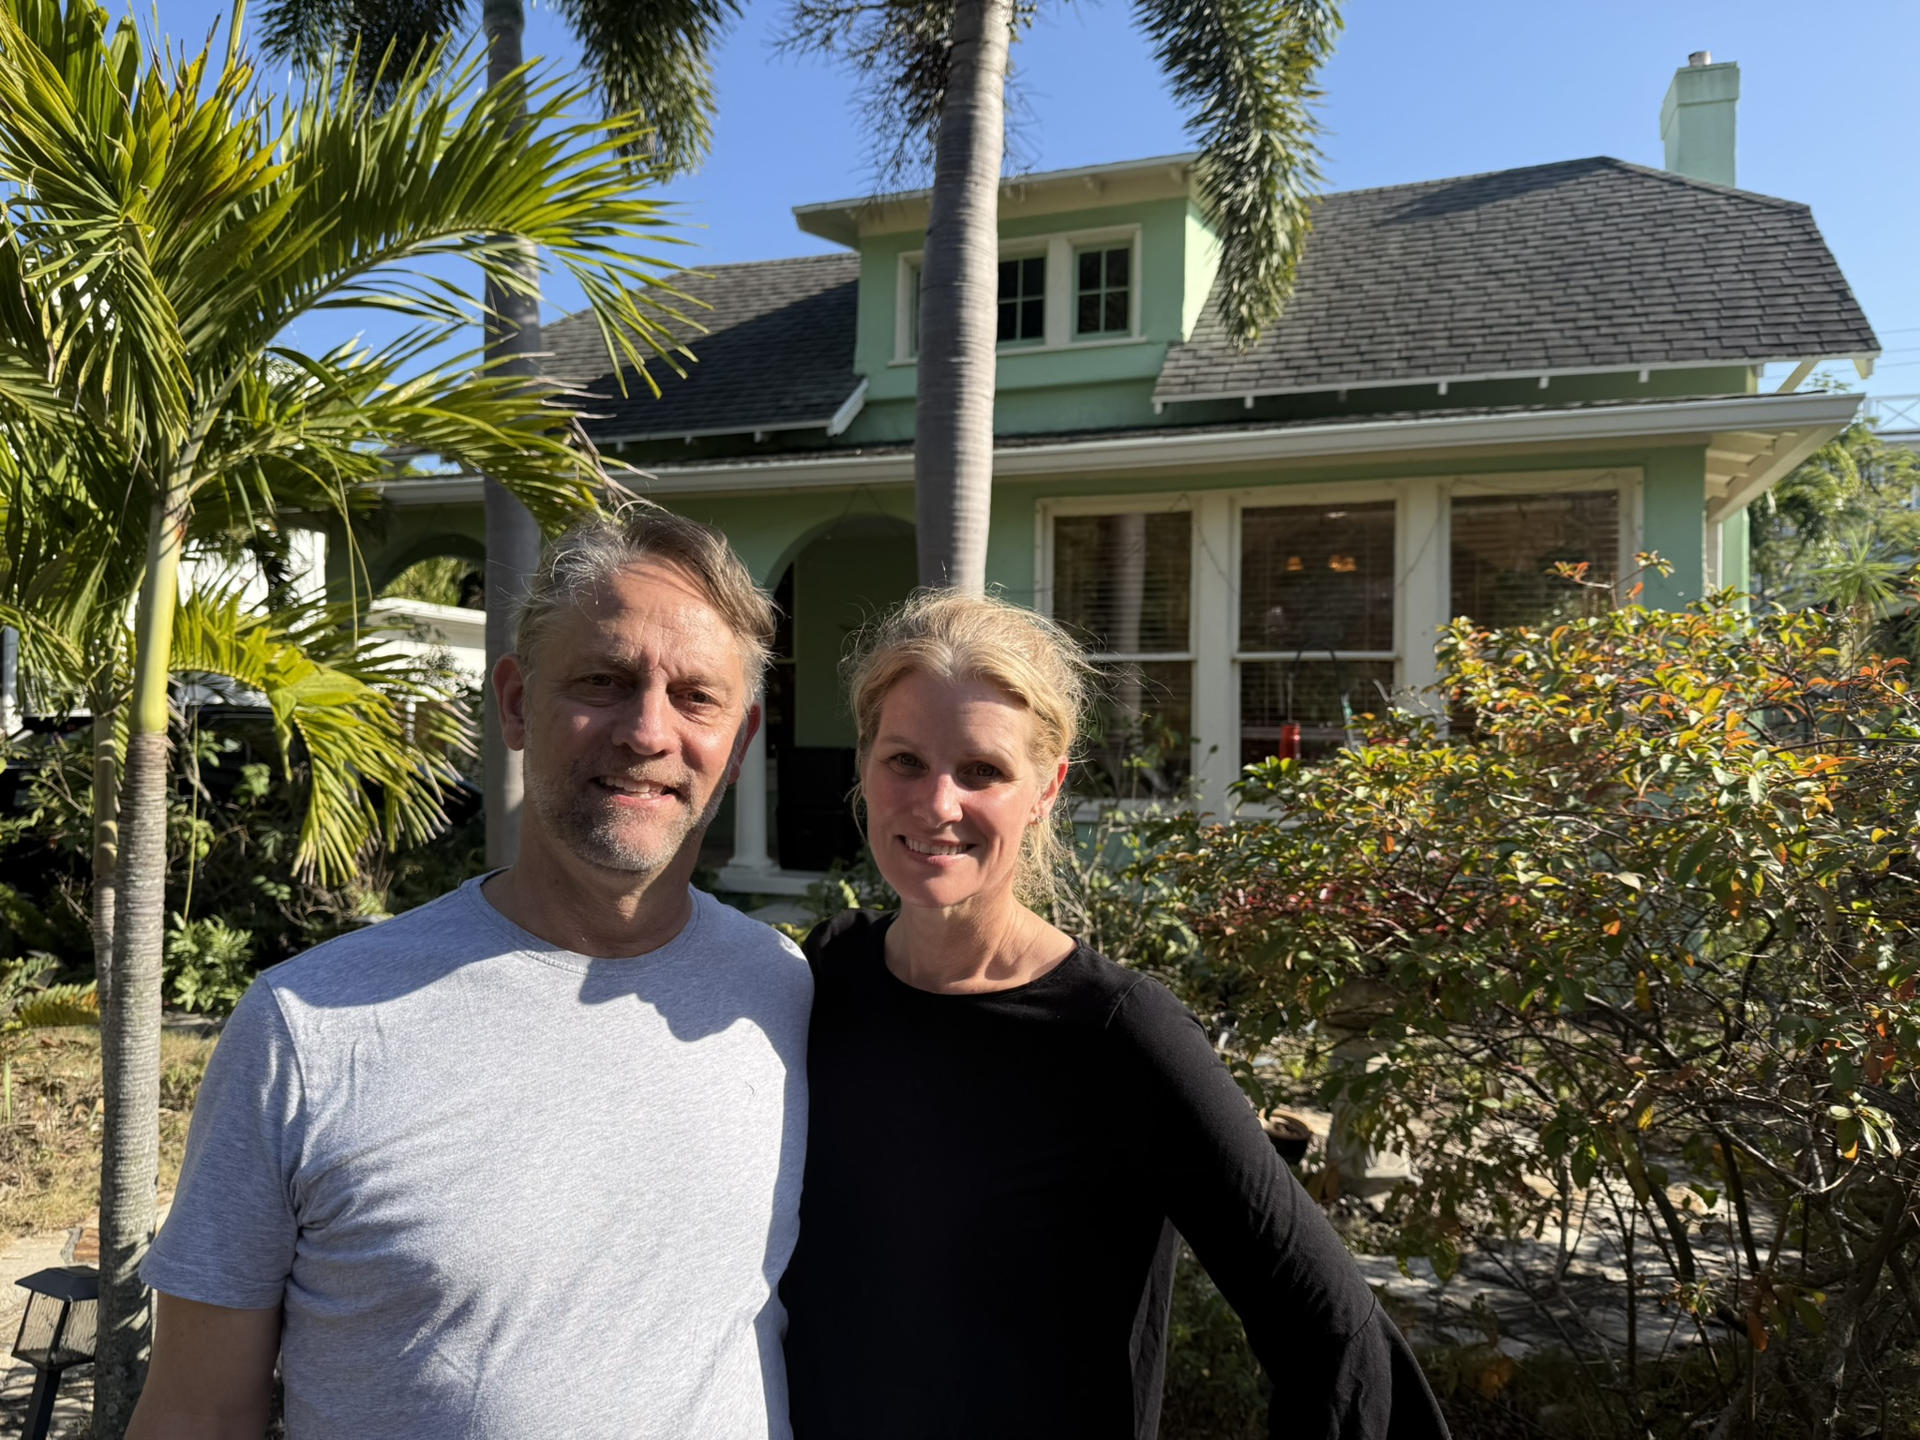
(750, 860)
(1422, 591)
(1216, 634)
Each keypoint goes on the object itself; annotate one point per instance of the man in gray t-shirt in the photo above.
(524, 1162)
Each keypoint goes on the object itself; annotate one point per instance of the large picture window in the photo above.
(1123, 584)
(1505, 550)
(1316, 621)
(1265, 622)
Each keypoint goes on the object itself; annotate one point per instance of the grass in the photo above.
(50, 1144)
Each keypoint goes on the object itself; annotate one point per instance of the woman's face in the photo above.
(951, 787)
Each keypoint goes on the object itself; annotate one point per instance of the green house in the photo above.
(1477, 380)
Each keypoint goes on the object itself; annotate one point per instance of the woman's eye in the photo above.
(904, 762)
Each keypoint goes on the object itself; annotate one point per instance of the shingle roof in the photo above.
(778, 354)
(1581, 265)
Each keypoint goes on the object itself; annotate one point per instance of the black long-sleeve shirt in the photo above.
(985, 1249)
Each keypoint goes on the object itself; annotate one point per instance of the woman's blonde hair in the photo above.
(1024, 655)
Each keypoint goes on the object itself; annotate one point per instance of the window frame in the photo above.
(1061, 290)
(1422, 567)
(1102, 248)
(1051, 508)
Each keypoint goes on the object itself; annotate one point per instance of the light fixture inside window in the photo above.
(1295, 564)
(1343, 564)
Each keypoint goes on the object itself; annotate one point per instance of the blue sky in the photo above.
(1829, 113)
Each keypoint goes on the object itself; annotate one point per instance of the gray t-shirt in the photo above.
(504, 1191)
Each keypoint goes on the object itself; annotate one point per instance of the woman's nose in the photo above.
(943, 799)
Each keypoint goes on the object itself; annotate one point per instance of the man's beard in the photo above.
(596, 832)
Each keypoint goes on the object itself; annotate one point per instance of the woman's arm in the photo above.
(1341, 1370)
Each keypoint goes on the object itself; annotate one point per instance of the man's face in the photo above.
(632, 721)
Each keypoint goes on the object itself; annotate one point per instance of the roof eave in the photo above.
(1675, 421)
(1441, 382)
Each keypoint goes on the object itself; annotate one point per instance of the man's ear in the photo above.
(748, 730)
(510, 694)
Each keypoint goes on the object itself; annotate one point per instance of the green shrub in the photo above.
(1638, 939)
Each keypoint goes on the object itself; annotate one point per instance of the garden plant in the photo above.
(1620, 934)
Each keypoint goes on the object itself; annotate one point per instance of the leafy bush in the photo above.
(1634, 944)
(208, 964)
(240, 902)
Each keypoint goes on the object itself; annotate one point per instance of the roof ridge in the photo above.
(1592, 161)
(837, 255)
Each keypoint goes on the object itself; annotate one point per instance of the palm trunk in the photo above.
(959, 293)
(106, 836)
(513, 536)
(130, 1017)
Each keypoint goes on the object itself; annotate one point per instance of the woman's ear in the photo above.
(1043, 806)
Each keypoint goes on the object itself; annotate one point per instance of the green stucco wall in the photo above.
(1736, 554)
(1673, 522)
(1202, 261)
(840, 581)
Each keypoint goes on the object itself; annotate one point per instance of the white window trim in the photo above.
(1060, 292)
(1422, 587)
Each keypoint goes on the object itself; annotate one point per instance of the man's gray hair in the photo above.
(592, 552)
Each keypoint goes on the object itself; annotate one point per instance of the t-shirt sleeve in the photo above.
(229, 1238)
(1341, 1370)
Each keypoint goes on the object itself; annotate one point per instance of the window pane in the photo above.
(1139, 745)
(1089, 269)
(1009, 316)
(1505, 549)
(1116, 316)
(1088, 319)
(1033, 319)
(1317, 577)
(1033, 276)
(1316, 695)
(913, 309)
(1117, 265)
(1123, 581)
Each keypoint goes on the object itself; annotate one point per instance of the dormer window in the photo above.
(1023, 299)
(1055, 291)
(1102, 300)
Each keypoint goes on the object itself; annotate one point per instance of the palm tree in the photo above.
(1245, 71)
(645, 59)
(163, 225)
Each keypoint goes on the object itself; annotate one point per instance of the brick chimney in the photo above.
(1696, 119)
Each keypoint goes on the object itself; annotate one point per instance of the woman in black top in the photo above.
(1006, 1128)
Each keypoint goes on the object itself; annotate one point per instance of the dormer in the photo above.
(1101, 269)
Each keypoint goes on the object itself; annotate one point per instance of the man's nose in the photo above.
(645, 726)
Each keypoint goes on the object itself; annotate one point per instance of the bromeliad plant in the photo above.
(1639, 936)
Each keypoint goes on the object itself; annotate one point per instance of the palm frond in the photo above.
(1245, 72)
(377, 729)
(653, 60)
